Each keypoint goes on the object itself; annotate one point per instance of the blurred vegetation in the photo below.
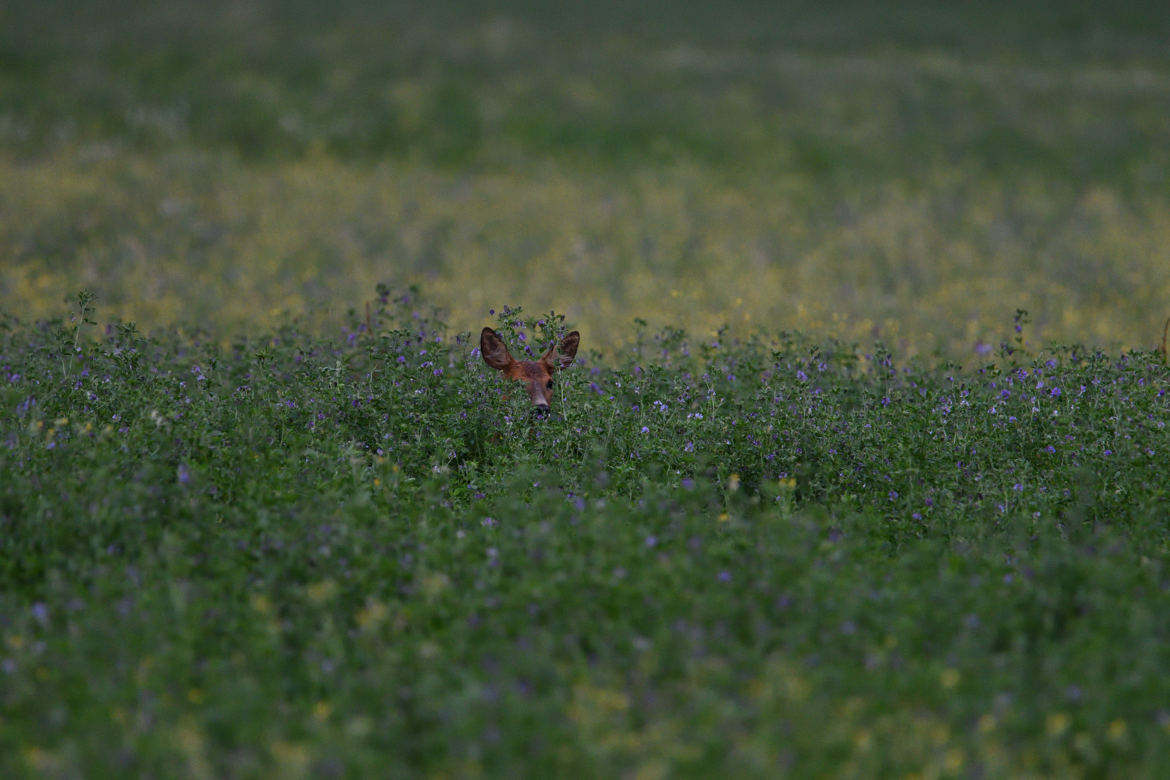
(912, 172)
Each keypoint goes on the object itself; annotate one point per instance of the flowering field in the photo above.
(357, 556)
(860, 469)
(846, 170)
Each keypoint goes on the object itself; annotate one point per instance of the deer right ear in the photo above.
(561, 357)
(494, 350)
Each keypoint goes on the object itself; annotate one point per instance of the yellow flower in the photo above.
(1056, 724)
(41, 760)
(372, 614)
(322, 710)
(434, 583)
(322, 591)
(290, 757)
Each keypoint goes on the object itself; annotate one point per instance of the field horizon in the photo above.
(913, 177)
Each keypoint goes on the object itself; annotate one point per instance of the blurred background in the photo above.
(909, 171)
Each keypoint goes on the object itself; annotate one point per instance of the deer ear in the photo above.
(561, 357)
(494, 350)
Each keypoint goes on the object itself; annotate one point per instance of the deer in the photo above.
(535, 374)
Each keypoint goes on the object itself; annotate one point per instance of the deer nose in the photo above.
(541, 410)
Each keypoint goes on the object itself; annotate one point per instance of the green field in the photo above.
(906, 172)
(352, 556)
(860, 470)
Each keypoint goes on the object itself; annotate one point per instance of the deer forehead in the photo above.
(531, 370)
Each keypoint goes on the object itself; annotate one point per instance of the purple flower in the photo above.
(725, 576)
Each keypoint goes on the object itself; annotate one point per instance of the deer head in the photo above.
(537, 375)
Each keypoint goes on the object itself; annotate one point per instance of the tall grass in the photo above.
(356, 555)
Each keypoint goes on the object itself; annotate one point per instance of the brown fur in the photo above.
(535, 374)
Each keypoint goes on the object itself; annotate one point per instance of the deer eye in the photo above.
(549, 385)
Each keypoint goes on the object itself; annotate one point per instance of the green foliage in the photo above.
(361, 554)
(338, 544)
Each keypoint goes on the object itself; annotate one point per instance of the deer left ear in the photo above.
(494, 350)
(562, 356)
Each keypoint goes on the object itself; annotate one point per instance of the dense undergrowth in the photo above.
(360, 554)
